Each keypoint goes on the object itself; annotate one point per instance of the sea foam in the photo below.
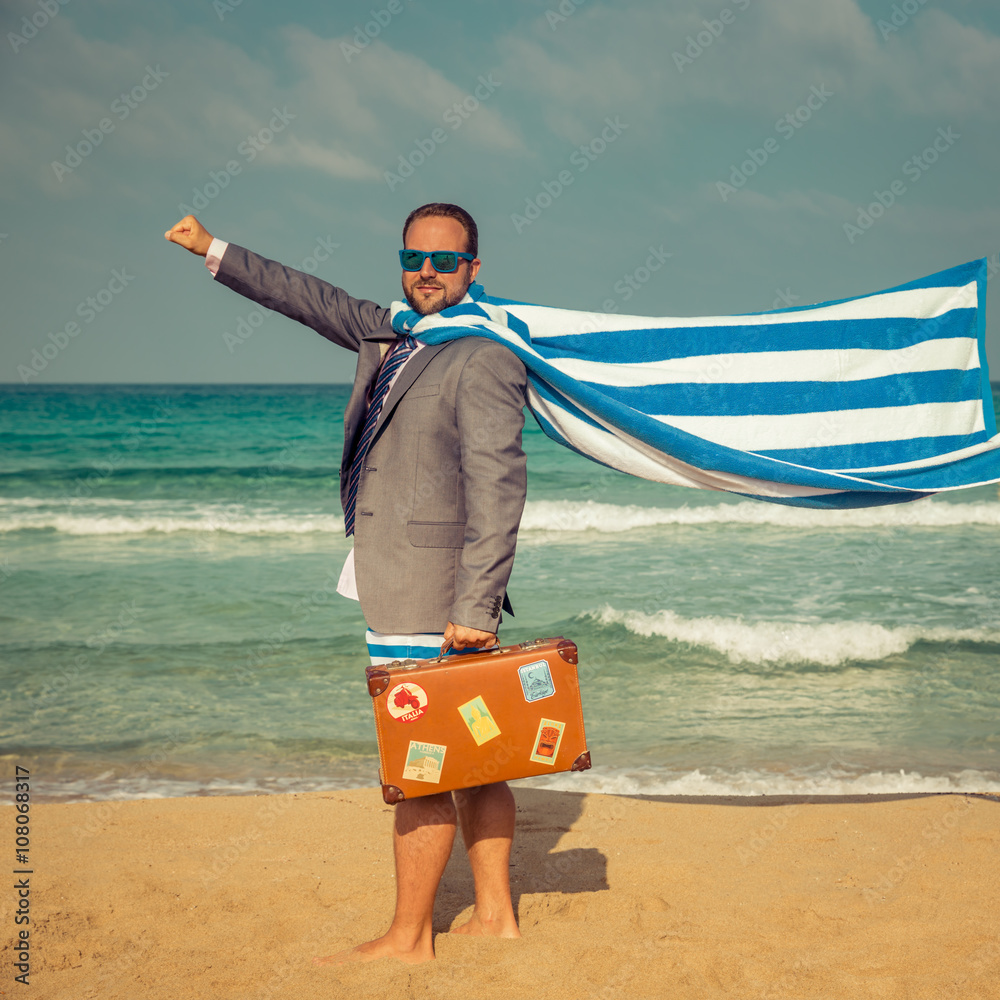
(588, 515)
(751, 782)
(129, 517)
(120, 517)
(826, 643)
(604, 779)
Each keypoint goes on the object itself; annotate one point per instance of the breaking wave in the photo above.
(826, 643)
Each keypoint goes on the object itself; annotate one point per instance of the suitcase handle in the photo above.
(449, 645)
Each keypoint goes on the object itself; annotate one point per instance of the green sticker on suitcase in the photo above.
(536, 680)
(479, 720)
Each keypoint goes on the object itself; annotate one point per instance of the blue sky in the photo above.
(672, 158)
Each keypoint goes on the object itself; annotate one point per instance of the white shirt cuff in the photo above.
(214, 256)
(347, 585)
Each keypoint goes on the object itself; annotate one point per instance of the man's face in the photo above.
(430, 291)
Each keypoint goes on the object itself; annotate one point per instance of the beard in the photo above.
(436, 301)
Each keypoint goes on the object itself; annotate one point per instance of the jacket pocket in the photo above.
(436, 534)
(422, 390)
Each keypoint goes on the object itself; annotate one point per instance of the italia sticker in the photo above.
(536, 680)
(550, 734)
(406, 702)
(479, 721)
(424, 762)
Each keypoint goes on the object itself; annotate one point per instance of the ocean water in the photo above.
(169, 623)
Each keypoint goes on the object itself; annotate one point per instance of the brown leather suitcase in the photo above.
(476, 718)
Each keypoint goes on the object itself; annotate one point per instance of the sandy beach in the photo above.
(883, 896)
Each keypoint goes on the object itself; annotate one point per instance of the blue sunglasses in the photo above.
(443, 261)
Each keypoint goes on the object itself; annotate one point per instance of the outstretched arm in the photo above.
(328, 310)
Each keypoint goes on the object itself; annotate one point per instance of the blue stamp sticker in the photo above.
(536, 681)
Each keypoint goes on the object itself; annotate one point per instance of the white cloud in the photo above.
(390, 98)
(625, 58)
(351, 120)
(942, 67)
(295, 152)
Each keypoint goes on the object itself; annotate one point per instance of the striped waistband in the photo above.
(384, 648)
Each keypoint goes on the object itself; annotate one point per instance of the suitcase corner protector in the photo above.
(378, 680)
(568, 651)
(391, 794)
(582, 763)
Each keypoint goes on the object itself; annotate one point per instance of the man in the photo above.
(433, 484)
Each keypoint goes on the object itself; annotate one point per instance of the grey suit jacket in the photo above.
(442, 491)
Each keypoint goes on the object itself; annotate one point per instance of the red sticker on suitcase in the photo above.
(406, 702)
(547, 741)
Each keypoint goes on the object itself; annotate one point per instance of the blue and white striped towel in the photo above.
(874, 400)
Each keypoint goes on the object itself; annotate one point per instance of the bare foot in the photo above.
(500, 927)
(381, 947)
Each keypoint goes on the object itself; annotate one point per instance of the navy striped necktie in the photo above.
(394, 360)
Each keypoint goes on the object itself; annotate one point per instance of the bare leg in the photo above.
(487, 816)
(423, 835)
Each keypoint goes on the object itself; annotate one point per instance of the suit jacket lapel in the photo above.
(406, 377)
(369, 359)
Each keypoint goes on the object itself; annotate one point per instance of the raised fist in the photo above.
(190, 234)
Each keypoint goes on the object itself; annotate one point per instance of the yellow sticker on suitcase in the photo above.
(479, 720)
